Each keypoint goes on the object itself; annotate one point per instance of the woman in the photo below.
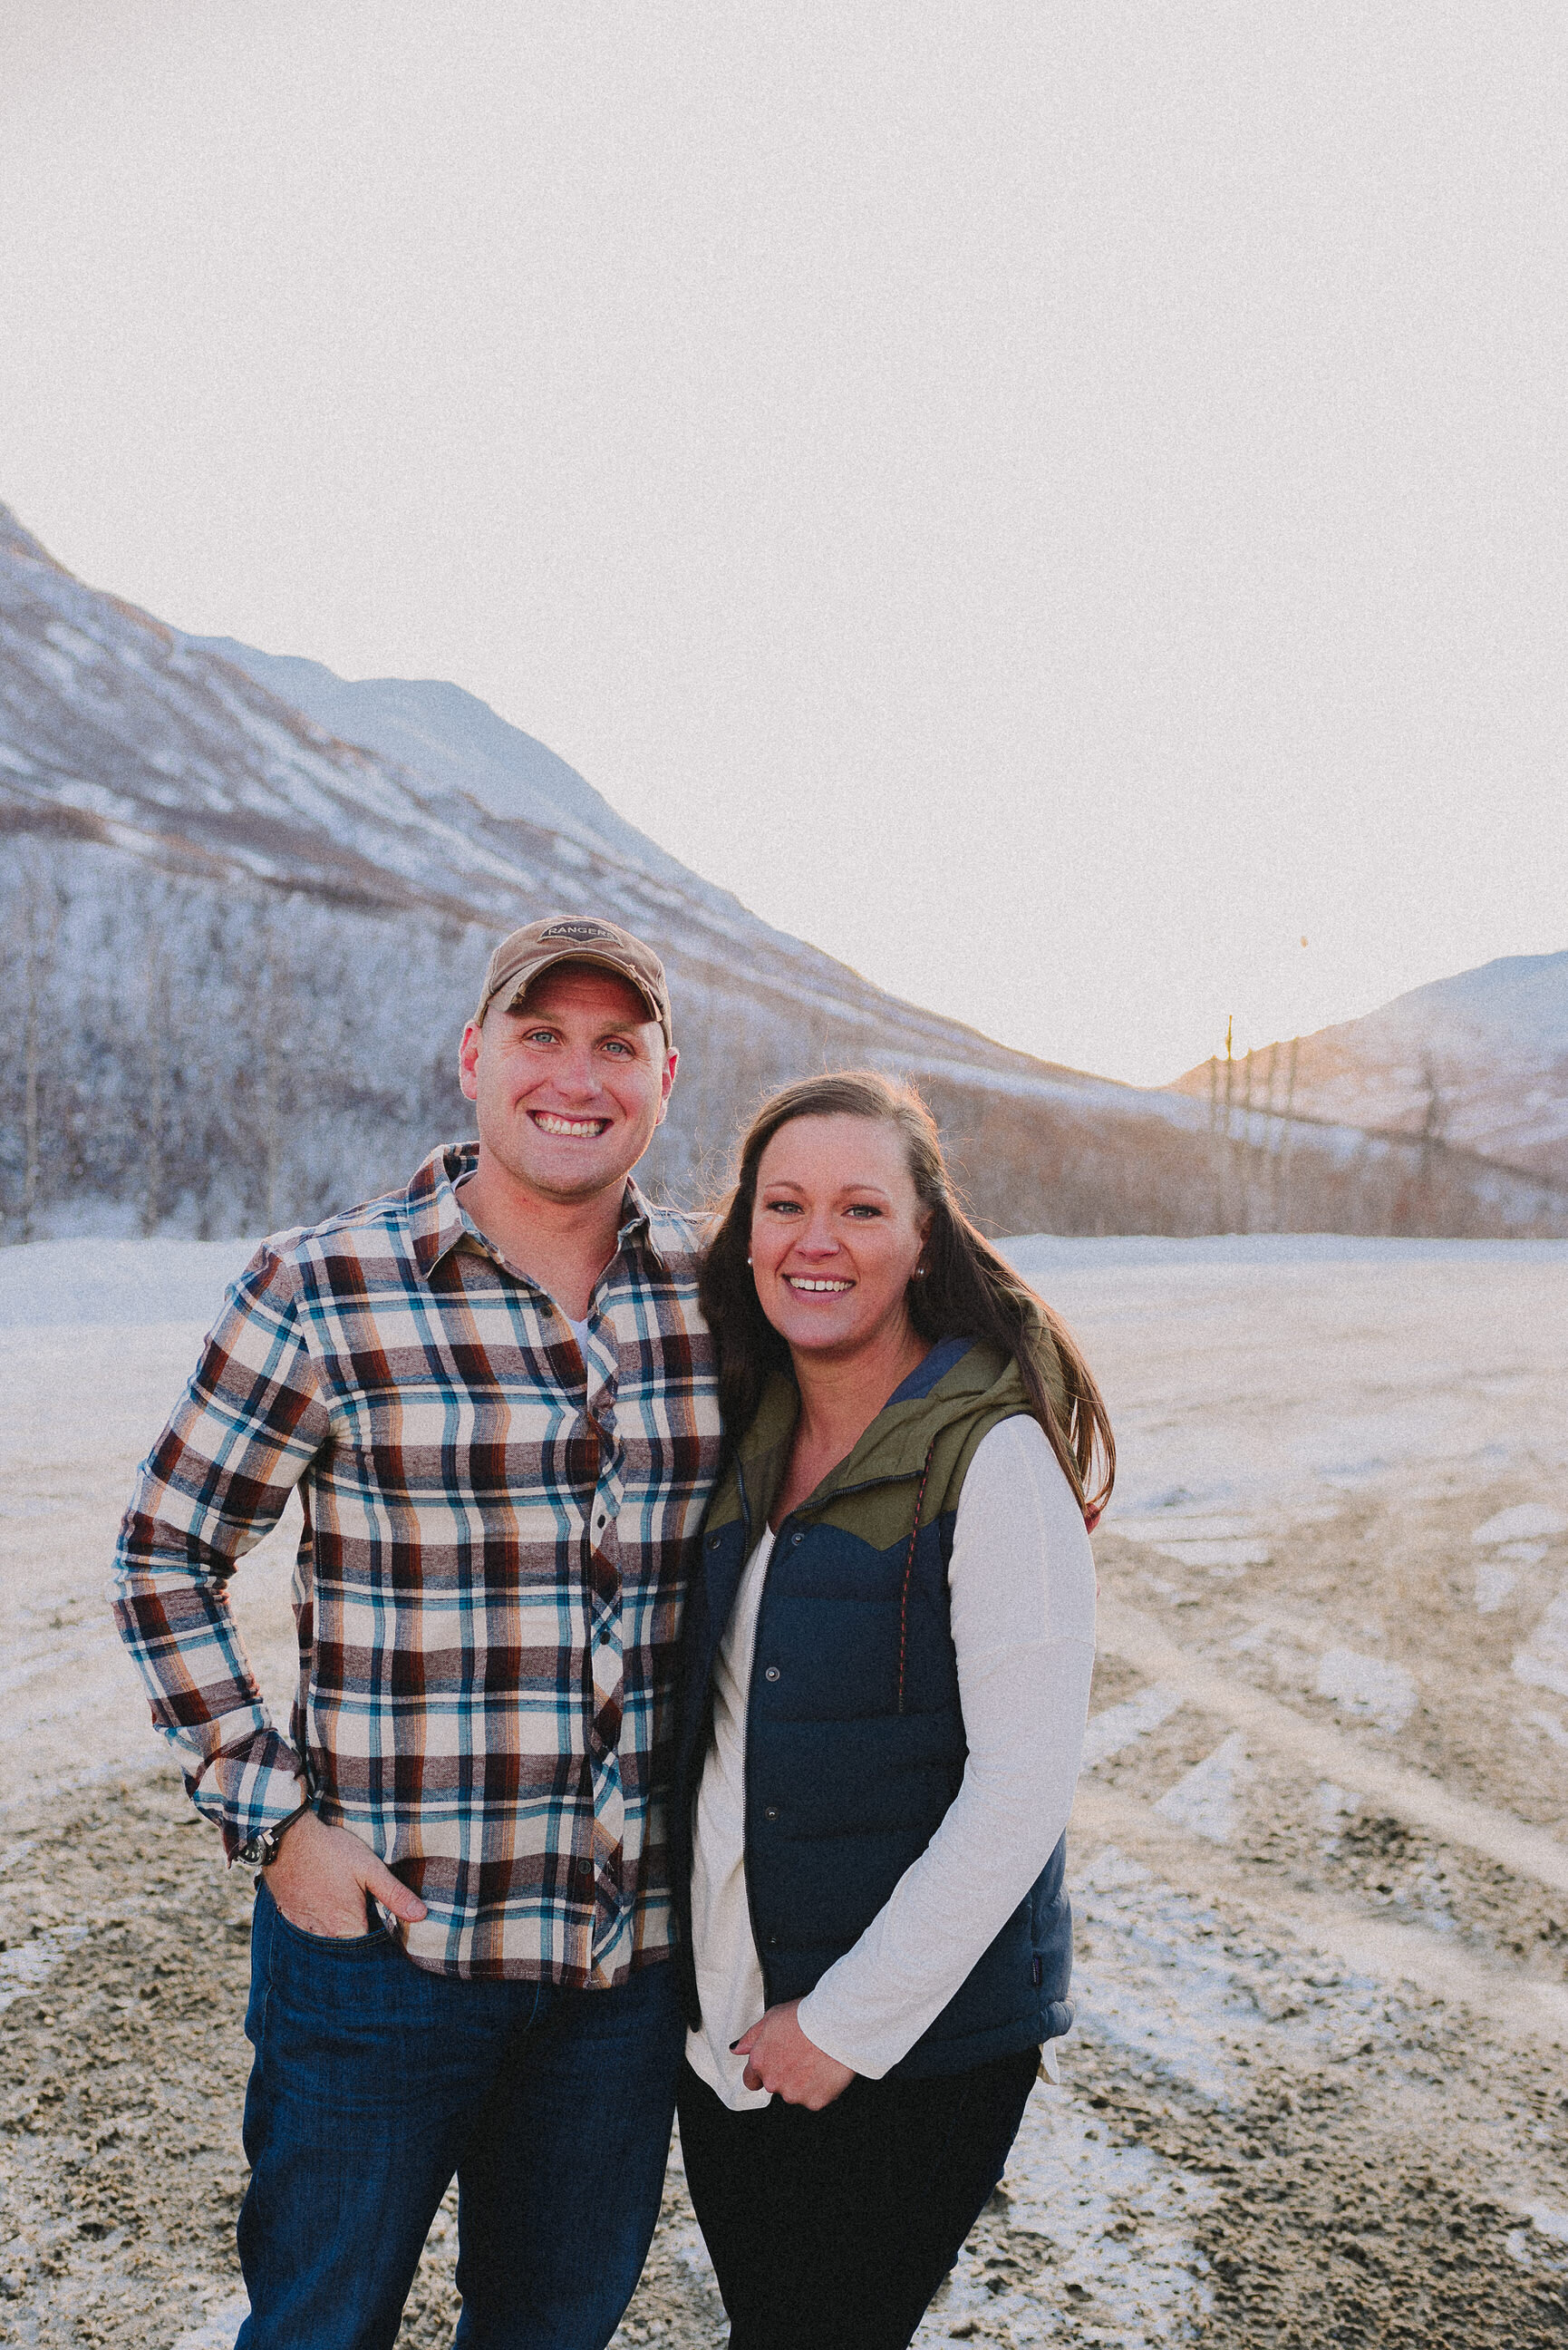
(889, 1643)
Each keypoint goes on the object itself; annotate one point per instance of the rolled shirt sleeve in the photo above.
(245, 1432)
(1022, 1580)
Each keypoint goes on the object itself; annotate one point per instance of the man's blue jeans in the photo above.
(375, 2081)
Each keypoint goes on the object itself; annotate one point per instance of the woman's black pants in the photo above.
(832, 2230)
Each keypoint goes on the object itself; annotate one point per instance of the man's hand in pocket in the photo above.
(323, 1879)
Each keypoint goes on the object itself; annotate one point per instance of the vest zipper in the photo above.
(909, 1571)
(746, 1767)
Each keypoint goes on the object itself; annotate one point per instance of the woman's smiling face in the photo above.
(837, 1233)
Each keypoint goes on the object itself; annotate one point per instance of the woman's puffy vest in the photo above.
(855, 1739)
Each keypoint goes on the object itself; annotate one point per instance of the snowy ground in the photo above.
(1321, 1852)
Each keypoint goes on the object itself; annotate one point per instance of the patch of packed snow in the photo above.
(1037, 1253)
(32, 1962)
(98, 1280)
(1113, 2225)
(217, 2331)
(1383, 1692)
(1493, 1585)
(56, 1282)
(1205, 1802)
(1121, 1726)
(1229, 1555)
(1178, 1525)
(1526, 1522)
(1152, 1978)
(1542, 1662)
(1335, 1804)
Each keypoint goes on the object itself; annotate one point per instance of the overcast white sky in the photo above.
(1054, 502)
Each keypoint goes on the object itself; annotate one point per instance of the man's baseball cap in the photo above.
(574, 937)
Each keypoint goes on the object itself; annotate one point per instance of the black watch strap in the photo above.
(261, 1850)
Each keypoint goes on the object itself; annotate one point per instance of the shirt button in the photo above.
(771, 1673)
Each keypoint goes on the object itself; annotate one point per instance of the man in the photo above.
(497, 1397)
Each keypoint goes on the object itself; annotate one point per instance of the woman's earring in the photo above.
(748, 1260)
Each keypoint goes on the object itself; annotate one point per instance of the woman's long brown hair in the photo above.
(968, 1291)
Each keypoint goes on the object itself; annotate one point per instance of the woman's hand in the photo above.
(780, 2057)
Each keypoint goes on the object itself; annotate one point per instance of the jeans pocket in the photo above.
(332, 1945)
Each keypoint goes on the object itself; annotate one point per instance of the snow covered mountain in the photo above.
(1479, 1061)
(450, 738)
(250, 944)
(244, 908)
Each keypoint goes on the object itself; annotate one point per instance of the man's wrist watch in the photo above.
(261, 1850)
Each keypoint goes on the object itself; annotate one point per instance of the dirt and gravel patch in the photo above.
(123, 2062)
(1318, 2091)
(1247, 2148)
(123, 2059)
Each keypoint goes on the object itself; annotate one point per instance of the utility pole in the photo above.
(1229, 1133)
(1247, 1142)
(1289, 1143)
(1271, 1139)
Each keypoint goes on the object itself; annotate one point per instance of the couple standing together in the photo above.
(695, 1633)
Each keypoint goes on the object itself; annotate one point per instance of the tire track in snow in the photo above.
(1388, 1949)
(1126, 1632)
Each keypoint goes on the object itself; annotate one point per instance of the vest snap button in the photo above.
(771, 1673)
(714, 1540)
(796, 1539)
(770, 1812)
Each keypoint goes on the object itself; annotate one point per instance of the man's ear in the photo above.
(468, 1061)
(673, 1057)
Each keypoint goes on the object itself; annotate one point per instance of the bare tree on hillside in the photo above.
(41, 901)
(1434, 1124)
(154, 1108)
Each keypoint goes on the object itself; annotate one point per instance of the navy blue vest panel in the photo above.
(844, 1790)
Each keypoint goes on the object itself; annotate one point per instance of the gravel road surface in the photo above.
(1318, 2090)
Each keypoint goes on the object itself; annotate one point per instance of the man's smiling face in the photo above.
(569, 1090)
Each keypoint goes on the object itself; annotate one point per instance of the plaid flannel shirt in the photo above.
(489, 1585)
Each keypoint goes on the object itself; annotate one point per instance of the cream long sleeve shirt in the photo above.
(1021, 1586)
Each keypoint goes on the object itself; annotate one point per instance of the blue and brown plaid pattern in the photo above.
(489, 1585)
